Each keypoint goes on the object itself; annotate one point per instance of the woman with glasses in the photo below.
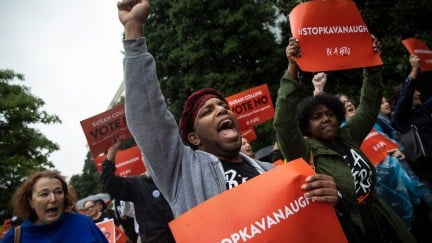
(94, 213)
(43, 201)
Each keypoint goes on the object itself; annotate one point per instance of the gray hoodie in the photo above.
(185, 177)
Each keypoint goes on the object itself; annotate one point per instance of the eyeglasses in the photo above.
(90, 207)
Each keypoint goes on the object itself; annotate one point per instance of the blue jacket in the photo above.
(69, 228)
(403, 115)
(186, 177)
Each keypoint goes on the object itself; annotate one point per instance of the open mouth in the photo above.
(328, 128)
(225, 124)
(227, 129)
(52, 211)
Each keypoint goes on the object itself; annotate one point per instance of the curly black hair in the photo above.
(309, 104)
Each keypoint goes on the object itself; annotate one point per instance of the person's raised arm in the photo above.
(370, 99)
(132, 15)
(415, 65)
(401, 114)
(112, 151)
(290, 138)
(292, 51)
(319, 81)
(118, 187)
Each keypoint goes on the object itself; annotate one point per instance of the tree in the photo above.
(391, 22)
(89, 181)
(226, 45)
(23, 149)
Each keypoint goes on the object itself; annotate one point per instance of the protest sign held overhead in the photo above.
(128, 162)
(252, 107)
(420, 49)
(376, 145)
(249, 133)
(100, 130)
(332, 36)
(269, 208)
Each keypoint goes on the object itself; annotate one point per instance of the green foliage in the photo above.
(391, 22)
(23, 149)
(88, 182)
(229, 46)
(226, 45)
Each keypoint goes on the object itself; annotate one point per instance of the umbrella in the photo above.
(263, 153)
(104, 196)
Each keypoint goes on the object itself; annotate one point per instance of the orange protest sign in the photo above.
(332, 36)
(128, 162)
(268, 208)
(108, 229)
(375, 146)
(420, 49)
(253, 106)
(248, 133)
(101, 129)
(120, 235)
(279, 162)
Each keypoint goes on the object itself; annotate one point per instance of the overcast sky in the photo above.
(70, 54)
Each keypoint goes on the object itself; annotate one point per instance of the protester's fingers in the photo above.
(126, 4)
(325, 195)
(391, 151)
(293, 48)
(319, 177)
(322, 183)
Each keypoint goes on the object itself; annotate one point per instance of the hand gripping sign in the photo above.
(376, 145)
(332, 36)
(420, 49)
(268, 208)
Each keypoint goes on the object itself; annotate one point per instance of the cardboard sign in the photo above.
(128, 162)
(420, 49)
(113, 233)
(108, 229)
(268, 208)
(252, 107)
(332, 36)
(121, 237)
(248, 133)
(279, 162)
(100, 130)
(376, 145)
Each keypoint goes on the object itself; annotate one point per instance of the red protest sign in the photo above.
(332, 36)
(121, 237)
(268, 208)
(420, 49)
(108, 229)
(253, 106)
(113, 233)
(248, 133)
(376, 145)
(128, 162)
(101, 129)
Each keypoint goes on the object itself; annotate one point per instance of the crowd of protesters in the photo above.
(204, 155)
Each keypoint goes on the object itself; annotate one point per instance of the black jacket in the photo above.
(403, 115)
(152, 211)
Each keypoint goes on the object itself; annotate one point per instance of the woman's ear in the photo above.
(29, 201)
(194, 139)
